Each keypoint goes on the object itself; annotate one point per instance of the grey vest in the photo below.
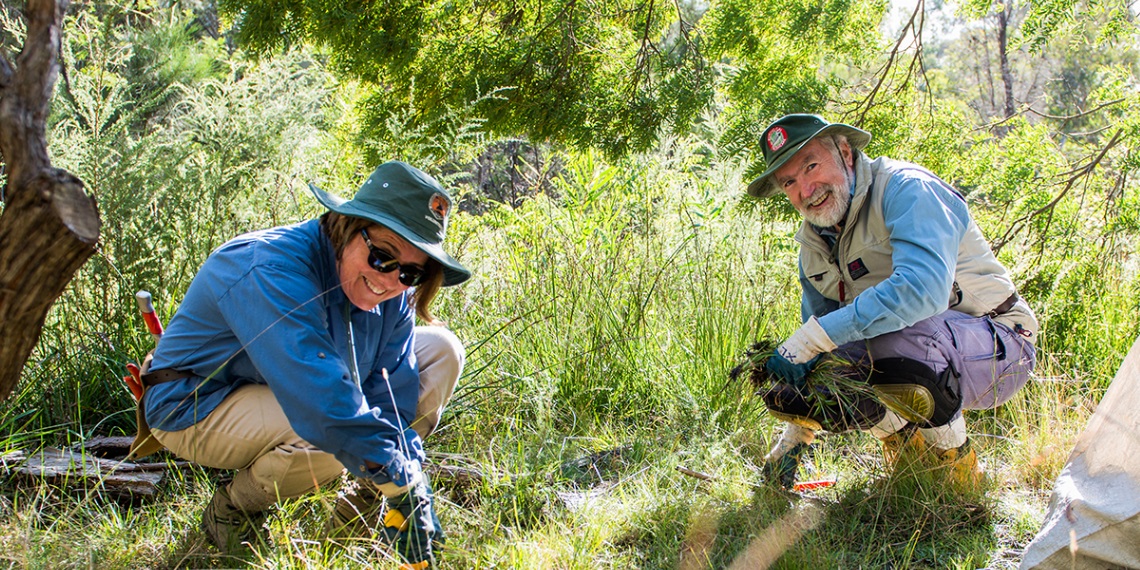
(862, 256)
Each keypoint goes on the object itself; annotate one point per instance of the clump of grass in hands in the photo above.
(832, 373)
(751, 364)
(836, 388)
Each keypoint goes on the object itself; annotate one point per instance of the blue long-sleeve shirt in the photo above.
(926, 221)
(267, 308)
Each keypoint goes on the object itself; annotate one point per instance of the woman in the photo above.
(294, 356)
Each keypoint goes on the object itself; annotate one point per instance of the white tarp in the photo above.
(1094, 513)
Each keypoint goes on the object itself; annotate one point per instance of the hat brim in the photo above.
(857, 138)
(453, 272)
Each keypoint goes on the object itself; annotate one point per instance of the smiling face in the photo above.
(817, 181)
(366, 287)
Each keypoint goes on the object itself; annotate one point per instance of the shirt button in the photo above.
(320, 355)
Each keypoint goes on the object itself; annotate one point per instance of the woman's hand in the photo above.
(412, 526)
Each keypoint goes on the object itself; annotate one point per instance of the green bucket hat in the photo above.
(785, 137)
(407, 201)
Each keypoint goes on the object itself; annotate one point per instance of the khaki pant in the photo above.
(249, 431)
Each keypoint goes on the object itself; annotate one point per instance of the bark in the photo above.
(119, 479)
(50, 225)
(1004, 17)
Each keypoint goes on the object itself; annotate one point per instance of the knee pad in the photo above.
(823, 411)
(914, 391)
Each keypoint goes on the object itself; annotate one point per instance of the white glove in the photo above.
(807, 342)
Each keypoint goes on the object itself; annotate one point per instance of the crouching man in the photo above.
(897, 278)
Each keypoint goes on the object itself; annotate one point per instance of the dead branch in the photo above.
(695, 474)
(71, 469)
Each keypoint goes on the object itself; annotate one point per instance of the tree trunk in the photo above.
(49, 226)
(1004, 16)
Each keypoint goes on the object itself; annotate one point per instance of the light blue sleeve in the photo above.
(926, 221)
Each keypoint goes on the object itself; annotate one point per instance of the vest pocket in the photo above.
(976, 339)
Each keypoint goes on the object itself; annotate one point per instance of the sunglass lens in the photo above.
(381, 261)
(411, 276)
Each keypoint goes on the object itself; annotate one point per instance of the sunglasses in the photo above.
(382, 261)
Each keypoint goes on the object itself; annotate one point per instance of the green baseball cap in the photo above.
(407, 201)
(785, 137)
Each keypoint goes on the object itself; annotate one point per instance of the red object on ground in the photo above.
(817, 484)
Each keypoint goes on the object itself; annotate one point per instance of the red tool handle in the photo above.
(146, 307)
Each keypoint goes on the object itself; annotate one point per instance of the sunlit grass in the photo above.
(601, 327)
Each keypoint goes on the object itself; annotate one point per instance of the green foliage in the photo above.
(1052, 18)
(604, 284)
(772, 56)
(613, 76)
(566, 71)
(219, 156)
(607, 310)
(449, 138)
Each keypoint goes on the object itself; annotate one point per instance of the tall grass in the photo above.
(225, 153)
(601, 324)
(619, 299)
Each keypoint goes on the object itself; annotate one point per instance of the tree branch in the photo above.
(1078, 115)
(49, 225)
(869, 100)
(1077, 174)
(641, 68)
(25, 99)
(682, 25)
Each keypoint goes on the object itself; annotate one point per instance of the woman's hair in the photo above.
(342, 229)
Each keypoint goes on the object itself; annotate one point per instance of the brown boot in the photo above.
(904, 447)
(230, 528)
(961, 465)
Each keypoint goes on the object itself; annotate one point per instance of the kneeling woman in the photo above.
(294, 355)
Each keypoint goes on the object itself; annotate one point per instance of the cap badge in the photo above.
(440, 206)
(777, 138)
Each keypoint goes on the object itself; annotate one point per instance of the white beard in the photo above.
(833, 212)
(837, 204)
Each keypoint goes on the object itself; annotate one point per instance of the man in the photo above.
(897, 278)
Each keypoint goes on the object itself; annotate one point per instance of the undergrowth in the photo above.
(603, 320)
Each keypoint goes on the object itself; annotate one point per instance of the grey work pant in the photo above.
(249, 431)
(991, 360)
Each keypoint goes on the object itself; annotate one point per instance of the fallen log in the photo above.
(98, 465)
(120, 479)
(111, 447)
